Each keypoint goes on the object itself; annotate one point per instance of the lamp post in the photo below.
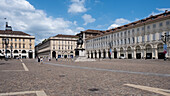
(6, 42)
(165, 38)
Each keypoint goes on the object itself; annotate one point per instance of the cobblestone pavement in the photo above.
(99, 78)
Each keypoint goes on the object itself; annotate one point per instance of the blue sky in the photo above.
(45, 18)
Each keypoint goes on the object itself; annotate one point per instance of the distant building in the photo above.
(60, 46)
(139, 39)
(89, 34)
(20, 44)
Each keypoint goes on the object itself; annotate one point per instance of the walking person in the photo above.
(41, 60)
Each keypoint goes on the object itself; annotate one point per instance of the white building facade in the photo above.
(139, 39)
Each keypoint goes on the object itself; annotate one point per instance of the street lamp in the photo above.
(165, 38)
(6, 42)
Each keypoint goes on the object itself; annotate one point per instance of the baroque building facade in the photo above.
(20, 44)
(60, 46)
(139, 39)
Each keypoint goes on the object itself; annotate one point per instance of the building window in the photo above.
(59, 47)
(143, 28)
(117, 42)
(19, 40)
(148, 27)
(153, 36)
(125, 41)
(15, 39)
(167, 22)
(30, 46)
(143, 38)
(148, 38)
(30, 40)
(3, 45)
(129, 40)
(15, 45)
(154, 25)
(125, 33)
(11, 39)
(23, 40)
(137, 29)
(137, 39)
(23, 45)
(160, 24)
(133, 38)
(121, 41)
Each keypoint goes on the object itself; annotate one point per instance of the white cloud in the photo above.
(77, 6)
(119, 22)
(162, 9)
(22, 16)
(88, 19)
(113, 26)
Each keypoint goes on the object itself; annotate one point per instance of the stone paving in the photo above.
(62, 80)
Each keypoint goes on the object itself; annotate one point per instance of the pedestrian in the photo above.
(56, 58)
(41, 60)
(38, 59)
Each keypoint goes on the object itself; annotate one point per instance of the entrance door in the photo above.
(148, 55)
(115, 54)
(54, 54)
(30, 55)
(138, 55)
(77, 53)
(161, 55)
(129, 56)
(65, 56)
(99, 54)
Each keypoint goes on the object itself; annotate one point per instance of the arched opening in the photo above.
(7, 51)
(104, 54)
(129, 50)
(148, 52)
(30, 54)
(138, 52)
(109, 53)
(121, 52)
(160, 49)
(53, 54)
(15, 51)
(99, 54)
(95, 54)
(88, 55)
(0, 51)
(91, 54)
(115, 53)
(23, 51)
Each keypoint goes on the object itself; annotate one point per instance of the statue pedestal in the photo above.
(80, 54)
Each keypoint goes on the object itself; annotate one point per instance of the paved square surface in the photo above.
(99, 78)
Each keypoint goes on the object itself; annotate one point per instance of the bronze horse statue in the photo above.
(80, 41)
